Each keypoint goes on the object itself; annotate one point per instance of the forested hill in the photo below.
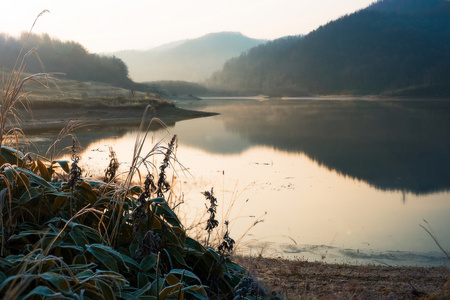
(70, 58)
(188, 60)
(393, 46)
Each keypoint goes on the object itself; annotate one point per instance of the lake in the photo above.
(331, 180)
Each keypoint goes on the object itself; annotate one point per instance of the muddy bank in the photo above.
(57, 117)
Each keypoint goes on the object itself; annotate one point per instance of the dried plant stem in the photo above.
(434, 238)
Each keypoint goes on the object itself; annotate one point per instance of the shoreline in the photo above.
(299, 279)
(38, 119)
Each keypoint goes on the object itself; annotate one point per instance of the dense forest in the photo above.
(392, 46)
(69, 58)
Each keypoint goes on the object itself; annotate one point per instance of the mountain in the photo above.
(189, 60)
(399, 47)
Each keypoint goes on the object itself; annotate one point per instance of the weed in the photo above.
(211, 223)
(11, 91)
(111, 170)
(75, 173)
(429, 230)
(228, 243)
(163, 185)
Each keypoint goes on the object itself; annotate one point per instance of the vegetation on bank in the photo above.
(397, 47)
(66, 236)
(71, 237)
(64, 93)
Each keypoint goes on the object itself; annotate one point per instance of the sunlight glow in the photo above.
(106, 26)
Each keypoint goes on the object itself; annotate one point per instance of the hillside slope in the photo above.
(69, 58)
(191, 60)
(393, 46)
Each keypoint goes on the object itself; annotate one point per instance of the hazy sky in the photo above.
(110, 25)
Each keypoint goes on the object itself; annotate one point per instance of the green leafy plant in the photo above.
(66, 236)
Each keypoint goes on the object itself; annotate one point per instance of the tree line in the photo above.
(380, 49)
(69, 58)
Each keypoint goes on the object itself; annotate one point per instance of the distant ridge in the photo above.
(188, 60)
(393, 47)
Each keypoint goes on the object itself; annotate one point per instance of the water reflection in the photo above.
(392, 145)
(293, 156)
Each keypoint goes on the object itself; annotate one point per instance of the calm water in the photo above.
(345, 181)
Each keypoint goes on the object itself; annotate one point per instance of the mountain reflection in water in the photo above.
(300, 160)
(392, 145)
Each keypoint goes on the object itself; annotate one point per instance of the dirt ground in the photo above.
(316, 280)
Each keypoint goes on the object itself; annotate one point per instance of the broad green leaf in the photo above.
(172, 290)
(197, 291)
(65, 246)
(59, 201)
(43, 170)
(111, 275)
(176, 294)
(11, 156)
(85, 190)
(37, 179)
(131, 263)
(32, 232)
(58, 280)
(136, 190)
(43, 291)
(169, 235)
(172, 279)
(109, 251)
(85, 274)
(170, 258)
(30, 194)
(195, 245)
(92, 293)
(107, 290)
(168, 214)
(176, 252)
(157, 286)
(148, 262)
(64, 165)
(4, 262)
(142, 280)
(80, 259)
(60, 194)
(92, 234)
(185, 274)
(107, 260)
(78, 237)
(143, 290)
(19, 278)
(133, 248)
(10, 175)
(2, 276)
(127, 296)
(160, 201)
(23, 180)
